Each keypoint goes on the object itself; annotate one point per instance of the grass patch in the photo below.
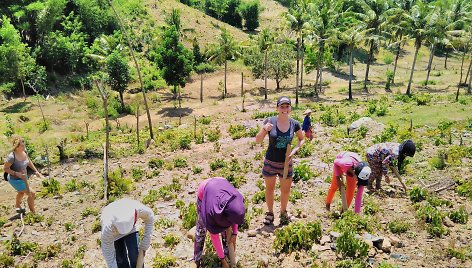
(297, 236)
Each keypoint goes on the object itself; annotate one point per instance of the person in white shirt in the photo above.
(119, 235)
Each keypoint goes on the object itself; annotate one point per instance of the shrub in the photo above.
(163, 261)
(205, 120)
(118, 184)
(417, 194)
(459, 253)
(96, 227)
(352, 221)
(72, 185)
(17, 248)
(237, 131)
(422, 99)
(356, 263)
(464, 188)
(459, 216)
(32, 218)
(164, 223)
(306, 150)
(387, 134)
(302, 172)
(398, 226)
(171, 240)
(49, 252)
(297, 236)
(213, 134)
(137, 173)
(263, 115)
(295, 195)
(370, 207)
(184, 142)
(217, 164)
(6, 261)
(351, 247)
(259, 197)
(180, 162)
(151, 197)
(197, 170)
(89, 211)
(155, 163)
(434, 219)
(188, 215)
(51, 187)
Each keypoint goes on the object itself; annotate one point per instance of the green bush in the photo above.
(217, 164)
(171, 240)
(263, 115)
(163, 261)
(205, 120)
(188, 215)
(438, 161)
(458, 253)
(89, 211)
(422, 99)
(49, 252)
(464, 188)
(434, 219)
(17, 248)
(306, 150)
(6, 261)
(32, 218)
(459, 216)
(213, 134)
(197, 170)
(356, 263)
(119, 185)
(51, 187)
(352, 221)
(155, 163)
(387, 134)
(137, 173)
(180, 162)
(151, 197)
(417, 194)
(302, 172)
(259, 197)
(184, 142)
(398, 226)
(237, 131)
(297, 236)
(351, 247)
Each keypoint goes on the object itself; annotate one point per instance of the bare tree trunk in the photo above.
(369, 60)
(320, 76)
(265, 74)
(469, 91)
(24, 92)
(350, 75)
(137, 68)
(226, 67)
(408, 89)
(201, 87)
(445, 60)
(460, 79)
(468, 71)
(137, 124)
(429, 64)
(396, 61)
(298, 71)
(106, 183)
(180, 97)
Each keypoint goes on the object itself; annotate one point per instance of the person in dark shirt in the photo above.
(306, 126)
(281, 130)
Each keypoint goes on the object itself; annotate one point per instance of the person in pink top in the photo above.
(356, 171)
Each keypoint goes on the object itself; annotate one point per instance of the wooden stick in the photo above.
(287, 161)
(444, 187)
(395, 171)
(342, 190)
(231, 248)
(140, 262)
(434, 184)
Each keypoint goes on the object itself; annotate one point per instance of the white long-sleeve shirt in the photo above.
(110, 234)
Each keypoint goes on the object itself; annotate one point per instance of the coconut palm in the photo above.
(421, 20)
(374, 16)
(297, 16)
(324, 15)
(265, 40)
(225, 50)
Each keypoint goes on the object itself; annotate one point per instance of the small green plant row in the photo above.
(297, 236)
(240, 131)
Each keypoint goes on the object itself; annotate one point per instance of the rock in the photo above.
(35, 232)
(386, 245)
(251, 233)
(372, 252)
(191, 232)
(359, 122)
(182, 252)
(168, 127)
(398, 256)
(191, 191)
(325, 239)
(448, 222)
(303, 215)
(334, 235)
(396, 242)
(183, 126)
(319, 248)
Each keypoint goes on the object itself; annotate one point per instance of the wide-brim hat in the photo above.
(307, 111)
(123, 218)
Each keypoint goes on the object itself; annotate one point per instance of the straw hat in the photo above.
(307, 111)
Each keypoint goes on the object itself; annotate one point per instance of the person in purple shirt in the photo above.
(219, 207)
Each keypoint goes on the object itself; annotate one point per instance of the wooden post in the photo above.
(242, 84)
(87, 128)
(107, 141)
(342, 190)
(231, 248)
(140, 261)
(201, 87)
(180, 119)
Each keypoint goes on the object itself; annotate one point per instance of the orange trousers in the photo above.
(351, 183)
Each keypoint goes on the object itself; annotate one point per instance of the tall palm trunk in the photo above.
(408, 89)
(265, 74)
(320, 80)
(396, 59)
(429, 64)
(369, 60)
(298, 71)
(460, 79)
(350, 74)
(301, 66)
(468, 71)
(469, 90)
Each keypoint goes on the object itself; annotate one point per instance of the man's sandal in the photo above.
(269, 218)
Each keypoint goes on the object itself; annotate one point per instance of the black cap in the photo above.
(283, 99)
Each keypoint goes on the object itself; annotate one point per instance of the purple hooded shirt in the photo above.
(222, 205)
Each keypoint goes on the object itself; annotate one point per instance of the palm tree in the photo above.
(323, 18)
(421, 19)
(398, 24)
(223, 51)
(351, 36)
(458, 16)
(297, 16)
(374, 16)
(265, 40)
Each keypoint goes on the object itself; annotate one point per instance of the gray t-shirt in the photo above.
(17, 165)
